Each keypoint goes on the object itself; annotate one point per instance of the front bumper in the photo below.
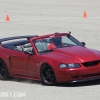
(77, 74)
(83, 80)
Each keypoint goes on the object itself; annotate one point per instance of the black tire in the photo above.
(47, 75)
(4, 75)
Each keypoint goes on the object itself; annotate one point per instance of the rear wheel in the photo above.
(47, 75)
(3, 71)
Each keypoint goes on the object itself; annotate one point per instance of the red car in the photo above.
(52, 58)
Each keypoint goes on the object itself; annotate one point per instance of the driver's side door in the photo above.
(18, 63)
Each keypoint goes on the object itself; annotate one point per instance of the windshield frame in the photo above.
(47, 36)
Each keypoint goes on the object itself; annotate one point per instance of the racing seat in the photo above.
(19, 48)
(41, 46)
(27, 46)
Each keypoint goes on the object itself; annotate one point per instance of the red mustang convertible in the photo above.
(51, 58)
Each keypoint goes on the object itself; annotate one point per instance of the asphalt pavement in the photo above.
(35, 17)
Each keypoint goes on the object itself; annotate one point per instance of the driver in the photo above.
(57, 41)
(54, 43)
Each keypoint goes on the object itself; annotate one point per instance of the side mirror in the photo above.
(83, 43)
(29, 52)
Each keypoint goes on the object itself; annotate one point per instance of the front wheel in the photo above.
(47, 75)
(3, 71)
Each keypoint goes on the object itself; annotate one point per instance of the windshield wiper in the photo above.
(71, 45)
(66, 45)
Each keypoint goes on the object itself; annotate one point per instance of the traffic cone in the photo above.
(85, 14)
(7, 18)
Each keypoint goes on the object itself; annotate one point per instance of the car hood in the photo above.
(74, 54)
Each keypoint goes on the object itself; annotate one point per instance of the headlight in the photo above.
(74, 65)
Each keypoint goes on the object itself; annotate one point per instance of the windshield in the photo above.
(50, 43)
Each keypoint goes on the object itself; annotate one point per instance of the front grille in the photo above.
(91, 63)
(90, 75)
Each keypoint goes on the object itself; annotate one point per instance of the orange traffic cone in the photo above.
(7, 18)
(85, 14)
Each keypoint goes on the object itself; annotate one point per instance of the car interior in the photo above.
(21, 45)
(24, 45)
